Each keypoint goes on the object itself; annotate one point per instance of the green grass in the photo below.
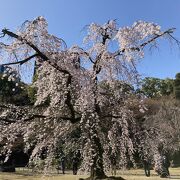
(137, 174)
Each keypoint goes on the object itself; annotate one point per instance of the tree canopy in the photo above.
(155, 87)
(69, 95)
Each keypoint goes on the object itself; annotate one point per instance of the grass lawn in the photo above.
(127, 174)
(139, 174)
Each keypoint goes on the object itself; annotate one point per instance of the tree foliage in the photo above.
(13, 91)
(155, 87)
(177, 86)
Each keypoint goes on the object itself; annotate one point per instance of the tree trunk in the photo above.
(97, 169)
(93, 145)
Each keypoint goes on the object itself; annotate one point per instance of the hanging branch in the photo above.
(21, 62)
(168, 32)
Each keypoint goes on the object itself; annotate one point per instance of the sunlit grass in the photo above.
(137, 174)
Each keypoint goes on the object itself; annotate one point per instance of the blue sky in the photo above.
(67, 18)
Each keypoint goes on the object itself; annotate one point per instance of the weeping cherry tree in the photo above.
(68, 90)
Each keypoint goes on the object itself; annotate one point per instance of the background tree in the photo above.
(12, 90)
(177, 86)
(162, 125)
(154, 87)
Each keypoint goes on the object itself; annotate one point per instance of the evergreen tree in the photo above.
(177, 86)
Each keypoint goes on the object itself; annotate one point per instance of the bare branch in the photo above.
(111, 116)
(73, 120)
(33, 117)
(21, 62)
(8, 121)
(177, 41)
